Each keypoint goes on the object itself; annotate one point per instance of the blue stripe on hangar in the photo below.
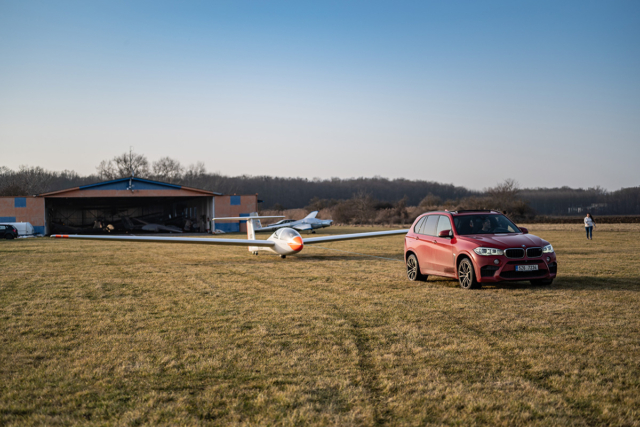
(138, 184)
(228, 227)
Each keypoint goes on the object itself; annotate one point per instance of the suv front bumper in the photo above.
(487, 271)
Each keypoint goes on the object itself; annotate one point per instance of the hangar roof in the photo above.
(130, 187)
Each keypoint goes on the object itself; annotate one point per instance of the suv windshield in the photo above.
(484, 224)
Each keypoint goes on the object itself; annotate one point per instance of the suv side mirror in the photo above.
(445, 233)
(524, 230)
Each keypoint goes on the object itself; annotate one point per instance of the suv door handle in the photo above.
(435, 241)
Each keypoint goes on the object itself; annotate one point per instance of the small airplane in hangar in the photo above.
(308, 223)
(285, 241)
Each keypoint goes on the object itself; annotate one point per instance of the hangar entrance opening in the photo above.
(127, 214)
(129, 205)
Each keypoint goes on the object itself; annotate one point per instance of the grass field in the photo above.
(109, 333)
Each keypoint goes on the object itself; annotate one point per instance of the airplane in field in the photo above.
(285, 241)
(308, 223)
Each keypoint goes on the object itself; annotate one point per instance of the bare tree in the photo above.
(506, 198)
(123, 166)
(28, 180)
(106, 170)
(504, 194)
(195, 175)
(168, 169)
(196, 170)
(400, 210)
(430, 202)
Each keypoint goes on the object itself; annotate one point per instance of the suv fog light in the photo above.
(496, 261)
(548, 259)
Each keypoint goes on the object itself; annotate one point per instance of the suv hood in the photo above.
(504, 241)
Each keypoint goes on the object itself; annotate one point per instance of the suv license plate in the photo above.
(532, 267)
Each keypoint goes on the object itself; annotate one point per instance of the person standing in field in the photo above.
(589, 223)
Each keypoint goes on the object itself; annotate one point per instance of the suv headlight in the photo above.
(488, 251)
(547, 249)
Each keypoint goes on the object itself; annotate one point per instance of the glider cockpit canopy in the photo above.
(285, 234)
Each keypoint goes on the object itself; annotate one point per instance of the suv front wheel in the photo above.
(467, 275)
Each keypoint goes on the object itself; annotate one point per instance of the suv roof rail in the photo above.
(475, 210)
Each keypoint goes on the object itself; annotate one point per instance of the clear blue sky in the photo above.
(464, 92)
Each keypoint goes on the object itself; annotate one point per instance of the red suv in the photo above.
(476, 247)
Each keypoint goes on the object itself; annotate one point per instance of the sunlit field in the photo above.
(110, 333)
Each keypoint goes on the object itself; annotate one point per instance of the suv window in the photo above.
(2, 227)
(430, 226)
(484, 224)
(419, 225)
(443, 224)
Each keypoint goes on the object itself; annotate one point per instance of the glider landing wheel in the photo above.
(283, 256)
(313, 231)
(413, 270)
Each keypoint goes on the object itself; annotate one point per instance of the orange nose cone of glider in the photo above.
(296, 244)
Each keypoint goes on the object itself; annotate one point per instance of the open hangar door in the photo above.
(128, 205)
(127, 214)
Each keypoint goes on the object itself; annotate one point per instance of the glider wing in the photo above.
(339, 237)
(186, 240)
(303, 227)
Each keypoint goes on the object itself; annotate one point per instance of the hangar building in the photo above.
(111, 201)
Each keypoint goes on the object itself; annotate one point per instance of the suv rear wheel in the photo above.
(467, 275)
(413, 270)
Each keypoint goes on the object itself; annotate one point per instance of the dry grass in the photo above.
(114, 333)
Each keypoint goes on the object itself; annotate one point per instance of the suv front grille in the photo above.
(514, 253)
(534, 252)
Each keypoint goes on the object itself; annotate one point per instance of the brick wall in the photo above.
(23, 209)
(234, 206)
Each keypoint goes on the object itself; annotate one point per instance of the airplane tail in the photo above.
(253, 224)
(312, 214)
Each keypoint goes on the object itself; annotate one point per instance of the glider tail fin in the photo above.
(253, 225)
(312, 214)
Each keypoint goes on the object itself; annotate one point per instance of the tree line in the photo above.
(348, 198)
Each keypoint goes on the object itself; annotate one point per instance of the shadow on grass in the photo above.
(571, 283)
(354, 258)
(580, 283)
(575, 283)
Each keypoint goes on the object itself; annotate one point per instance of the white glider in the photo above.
(285, 241)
